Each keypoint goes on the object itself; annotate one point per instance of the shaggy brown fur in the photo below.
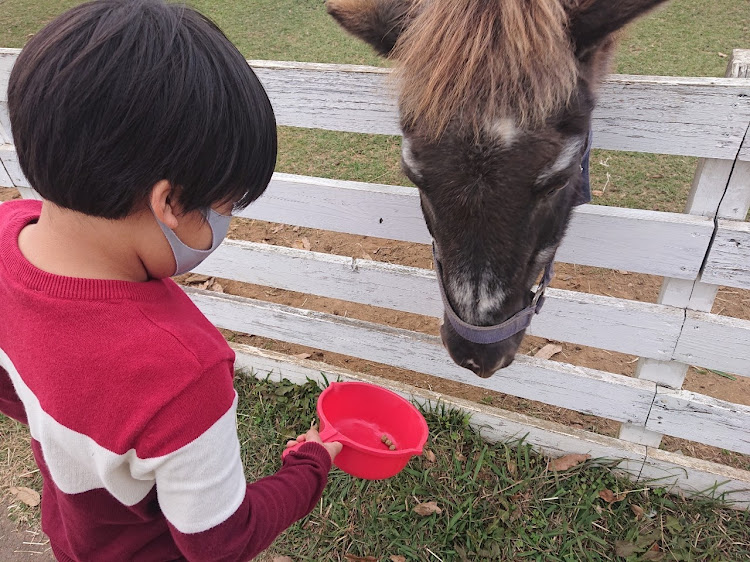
(483, 60)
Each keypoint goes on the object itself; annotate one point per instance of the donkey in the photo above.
(495, 102)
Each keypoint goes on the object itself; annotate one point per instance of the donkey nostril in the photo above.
(487, 372)
(504, 362)
(484, 374)
(472, 366)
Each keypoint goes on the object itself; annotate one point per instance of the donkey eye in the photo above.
(554, 189)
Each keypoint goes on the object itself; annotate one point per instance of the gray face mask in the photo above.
(186, 257)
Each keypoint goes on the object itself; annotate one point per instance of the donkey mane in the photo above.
(477, 61)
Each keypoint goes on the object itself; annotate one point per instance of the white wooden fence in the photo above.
(708, 246)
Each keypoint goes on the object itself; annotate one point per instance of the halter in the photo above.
(522, 319)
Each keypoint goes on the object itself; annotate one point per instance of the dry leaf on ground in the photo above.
(567, 462)
(397, 558)
(625, 548)
(282, 559)
(637, 511)
(609, 496)
(206, 284)
(26, 495)
(301, 244)
(196, 278)
(216, 287)
(430, 456)
(653, 556)
(548, 351)
(427, 508)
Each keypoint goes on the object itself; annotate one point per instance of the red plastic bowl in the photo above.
(358, 415)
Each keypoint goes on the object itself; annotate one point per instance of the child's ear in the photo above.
(161, 201)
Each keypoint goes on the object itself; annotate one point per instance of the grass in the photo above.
(685, 38)
(498, 502)
(17, 468)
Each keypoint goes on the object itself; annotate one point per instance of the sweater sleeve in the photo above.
(270, 506)
(212, 512)
(10, 403)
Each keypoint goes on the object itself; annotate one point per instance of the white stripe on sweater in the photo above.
(199, 485)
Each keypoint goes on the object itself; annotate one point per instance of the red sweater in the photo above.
(127, 391)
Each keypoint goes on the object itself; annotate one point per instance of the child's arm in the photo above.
(10, 403)
(213, 514)
(270, 506)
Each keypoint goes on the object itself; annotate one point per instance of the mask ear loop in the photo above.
(187, 258)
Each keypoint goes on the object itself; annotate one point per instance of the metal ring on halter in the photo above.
(500, 332)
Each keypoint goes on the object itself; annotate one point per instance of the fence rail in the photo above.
(635, 328)
(703, 117)
(651, 242)
(729, 256)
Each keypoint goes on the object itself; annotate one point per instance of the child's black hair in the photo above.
(116, 95)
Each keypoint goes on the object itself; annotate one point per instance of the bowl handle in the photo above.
(326, 436)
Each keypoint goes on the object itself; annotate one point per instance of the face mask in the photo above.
(188, 258)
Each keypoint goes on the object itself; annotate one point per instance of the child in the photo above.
(141, 127)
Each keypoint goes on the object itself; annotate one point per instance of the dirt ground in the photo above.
(620, 284)
(21, 542)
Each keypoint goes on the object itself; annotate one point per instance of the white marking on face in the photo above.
(408, 157)
(570, 151)
(487, 300)
(475, 303)
(505, 130)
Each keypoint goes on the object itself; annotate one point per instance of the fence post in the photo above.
(721, 190)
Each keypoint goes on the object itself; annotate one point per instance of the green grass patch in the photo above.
(686, 38)
(343, 156)
(17, 469)
(497, 502)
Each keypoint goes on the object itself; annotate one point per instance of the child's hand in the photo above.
(333, 448)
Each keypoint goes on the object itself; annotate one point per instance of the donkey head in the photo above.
(495, 100)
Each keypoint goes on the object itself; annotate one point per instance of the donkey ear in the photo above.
(377, 22)
(592, 21)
